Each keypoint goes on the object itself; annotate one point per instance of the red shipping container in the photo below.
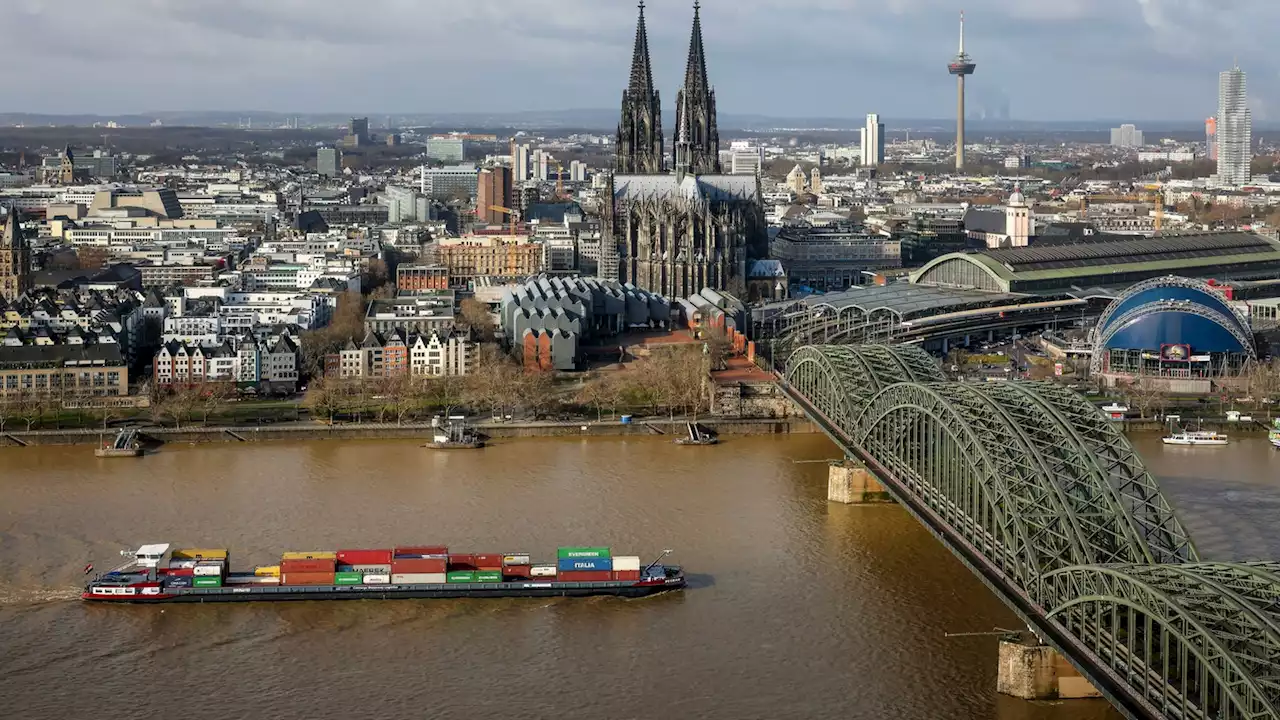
(182, 572)
(307, 578)
(422, 550)
(628, 575)
(423, 565)
(489, 561)
(462, 562)
(364, 557)
(584, 576)
(307, 566)
(518, 572)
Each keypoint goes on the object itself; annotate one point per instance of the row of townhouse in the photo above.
(400, 353)
(271, 366)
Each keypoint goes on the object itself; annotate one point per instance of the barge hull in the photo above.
(391, 592)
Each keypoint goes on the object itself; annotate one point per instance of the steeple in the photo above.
(697, 123)
(640, 127)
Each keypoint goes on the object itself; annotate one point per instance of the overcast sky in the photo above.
(1048, 59)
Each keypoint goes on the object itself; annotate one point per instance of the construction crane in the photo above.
(559, 179)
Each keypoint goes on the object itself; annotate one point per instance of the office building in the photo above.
(873, 141)
(745, 158)
(458, 181)
(472, 256)
(1211, 139)
(493, 190)
(406, 205)
(98, 165)
(446, 148)
(577, 171)
(1126, 136)
(411, 279)
(1235, 128)
(359, 132)
(329, 161)
(521, 163)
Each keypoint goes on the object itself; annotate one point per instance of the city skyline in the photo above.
(235, 54)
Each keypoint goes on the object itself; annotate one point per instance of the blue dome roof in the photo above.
(1173, 311)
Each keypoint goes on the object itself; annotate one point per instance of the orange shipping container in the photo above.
(307, 578)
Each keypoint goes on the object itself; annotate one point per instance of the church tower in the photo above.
(640, 129)
(696, 104)
(15, 259)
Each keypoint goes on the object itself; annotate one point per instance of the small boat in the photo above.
(696, 436)
(455, 436)
(1195, 437)
(1115, 410)
(1274, 435)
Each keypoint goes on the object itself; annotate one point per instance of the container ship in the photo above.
(154, 574)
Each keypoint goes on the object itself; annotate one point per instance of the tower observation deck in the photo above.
(960, 66)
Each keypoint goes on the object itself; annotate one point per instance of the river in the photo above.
(797, 608)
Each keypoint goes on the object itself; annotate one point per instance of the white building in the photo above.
(745, 158)
(1126, 136)
(873, 141)
(1235, 128)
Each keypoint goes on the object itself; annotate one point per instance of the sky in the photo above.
(1133, 60)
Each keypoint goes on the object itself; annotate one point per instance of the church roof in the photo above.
(709, 188)
(985, 221)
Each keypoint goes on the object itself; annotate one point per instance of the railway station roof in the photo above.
(910, 300)
(1110, 262)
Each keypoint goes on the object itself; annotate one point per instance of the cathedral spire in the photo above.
(640, 127)
(696, 102)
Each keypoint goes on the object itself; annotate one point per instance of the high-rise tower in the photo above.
(640, 129)
(696, 110)
(1235, 128)
(961, 65)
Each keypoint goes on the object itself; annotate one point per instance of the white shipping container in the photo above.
(182, 564)
(251, 580)
(543, 571)
(207, 570)
(375, 569)
(517, 559)
(377, 579)
(628, 562)
(418, 578)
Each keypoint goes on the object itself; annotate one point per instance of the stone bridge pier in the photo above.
(851, 483)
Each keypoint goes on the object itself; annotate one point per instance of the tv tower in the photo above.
(961, 65)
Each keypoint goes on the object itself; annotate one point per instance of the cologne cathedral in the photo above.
(679, 226)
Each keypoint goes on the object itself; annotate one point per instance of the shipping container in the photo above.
(489, 561)
(461, 576)
(250, 580)
(420, 565)
(376, 569)
(419, 578)
(517, 559)
(462, 559)
(208, 570)
(377, 579)
(198, 554)
(186, 564)
(310, 555)
(181, 572)
(627, 575)
(364, 557)
(306, 578)
(347, 578)
(420, 550)
(267, 571)
(565, 553)
(306, 566)
(626, 562)
(517, 572)
(180, 582)
(581, 576)
(206, 581)
(588, 564)
(489, 576)
(547, 571)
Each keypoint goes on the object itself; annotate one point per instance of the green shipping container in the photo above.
(489, 576)
(568, 553)
(461, 576)
(206, 581)
(348, 578)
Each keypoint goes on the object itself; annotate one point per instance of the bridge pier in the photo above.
(851, 483)
(1038, 672)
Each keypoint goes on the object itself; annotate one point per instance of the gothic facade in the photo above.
(675, 234)
(15, 260)
(640, 129)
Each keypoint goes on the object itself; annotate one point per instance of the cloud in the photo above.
(1066, 59)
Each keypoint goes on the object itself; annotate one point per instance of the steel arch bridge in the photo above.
(1051, 506)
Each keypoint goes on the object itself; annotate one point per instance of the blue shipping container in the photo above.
(572, 564)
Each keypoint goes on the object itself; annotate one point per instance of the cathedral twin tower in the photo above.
(696, 142)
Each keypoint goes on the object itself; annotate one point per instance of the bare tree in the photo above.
(476, 316)
(30, 407)
(1145, 395)
(323, 398)
(717, 347)
(214, 396)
